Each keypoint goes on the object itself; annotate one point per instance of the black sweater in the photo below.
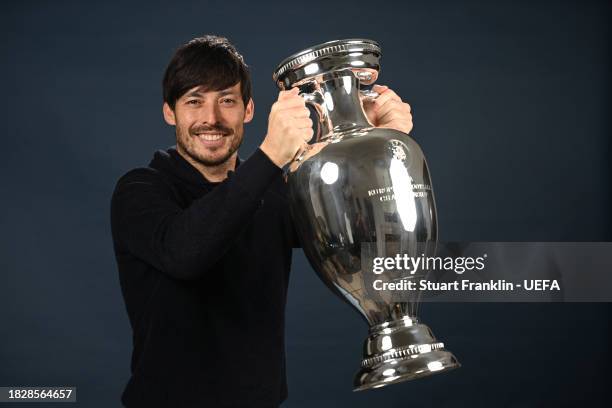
(203, 269)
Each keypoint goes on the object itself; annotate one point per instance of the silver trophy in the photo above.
(360, 192)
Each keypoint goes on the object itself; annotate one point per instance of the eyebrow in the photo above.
(198, 94)
(226, 92)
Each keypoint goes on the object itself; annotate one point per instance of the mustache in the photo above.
(217, 127)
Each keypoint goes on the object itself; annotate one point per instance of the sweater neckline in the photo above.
(187, 172)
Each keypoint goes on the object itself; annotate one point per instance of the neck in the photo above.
(213, 174)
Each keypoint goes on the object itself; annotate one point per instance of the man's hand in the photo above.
(388, 110)
(289, 128)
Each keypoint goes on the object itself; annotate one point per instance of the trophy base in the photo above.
(401, 350)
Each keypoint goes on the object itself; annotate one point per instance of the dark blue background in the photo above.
(511, 106)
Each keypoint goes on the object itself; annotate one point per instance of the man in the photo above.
(203, 240)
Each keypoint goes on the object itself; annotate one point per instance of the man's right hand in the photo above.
(289, 128)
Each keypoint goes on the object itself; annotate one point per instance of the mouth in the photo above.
(210, 137)
(212, 140)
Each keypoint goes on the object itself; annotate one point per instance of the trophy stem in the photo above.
(338, 102)
(401, 350)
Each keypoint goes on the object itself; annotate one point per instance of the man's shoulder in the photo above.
(142, 177)
(140, 173)
(155, 171)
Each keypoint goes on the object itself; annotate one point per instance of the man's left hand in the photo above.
(388, 110)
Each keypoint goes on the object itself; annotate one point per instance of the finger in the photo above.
(395, 105)
(391, 105)
(293, 99)
(307, 136)
(377, 103)
(380, 88)
(394, 115)
(285, 94)
(303, 123)
(298, 112)
(389, 95)
(291, 117)
(290, 114)
(291, 103)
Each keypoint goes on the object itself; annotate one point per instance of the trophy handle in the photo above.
(315, 100)
(367, 77)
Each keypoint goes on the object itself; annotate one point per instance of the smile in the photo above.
(210, 137)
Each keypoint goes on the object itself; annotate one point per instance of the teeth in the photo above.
(211, 137)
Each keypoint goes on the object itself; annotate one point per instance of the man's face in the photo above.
(209, 125)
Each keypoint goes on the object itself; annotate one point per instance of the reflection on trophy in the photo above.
(361, 192)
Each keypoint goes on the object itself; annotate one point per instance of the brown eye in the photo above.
(193, 102)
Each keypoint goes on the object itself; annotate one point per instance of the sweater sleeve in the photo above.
(184, 243)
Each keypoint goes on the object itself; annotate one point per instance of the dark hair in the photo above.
(211, 62)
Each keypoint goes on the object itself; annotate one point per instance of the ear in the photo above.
(249, 111)
(169, 115)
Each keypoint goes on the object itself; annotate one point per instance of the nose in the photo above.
(210, 114)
